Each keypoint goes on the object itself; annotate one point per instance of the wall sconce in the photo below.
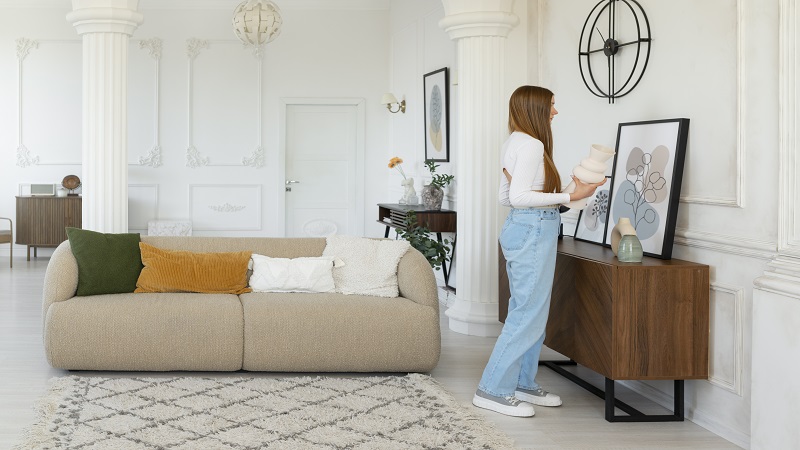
(389, 99)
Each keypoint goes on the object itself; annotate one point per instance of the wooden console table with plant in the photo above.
(436, 221)
(626, 321)
(41, 221)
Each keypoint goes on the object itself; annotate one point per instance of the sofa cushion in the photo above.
(107, 263)
(292, 274)
(145, 332)
(330, 332)
(178, 271)
(370, 265)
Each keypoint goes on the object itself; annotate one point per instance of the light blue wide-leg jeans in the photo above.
(528, 241)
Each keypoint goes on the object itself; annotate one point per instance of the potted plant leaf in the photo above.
(419, 237)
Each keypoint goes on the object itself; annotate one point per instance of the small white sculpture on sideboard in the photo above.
(590, 170)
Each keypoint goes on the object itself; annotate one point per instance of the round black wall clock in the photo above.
(614, 48)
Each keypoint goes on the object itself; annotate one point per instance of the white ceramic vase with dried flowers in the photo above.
(409, 194)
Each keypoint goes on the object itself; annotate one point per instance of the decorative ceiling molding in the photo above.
(369, 5)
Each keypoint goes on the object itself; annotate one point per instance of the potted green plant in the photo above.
(433, 193)
(419, 237)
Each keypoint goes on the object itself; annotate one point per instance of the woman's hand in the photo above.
(583, 190)
(508, 175)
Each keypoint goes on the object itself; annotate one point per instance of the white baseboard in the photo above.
(695, 415)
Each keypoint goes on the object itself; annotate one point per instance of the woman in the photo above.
(532, 187)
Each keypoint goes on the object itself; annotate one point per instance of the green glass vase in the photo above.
(630, 249)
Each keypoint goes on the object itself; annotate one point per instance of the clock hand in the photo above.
(600, 33)
(634, 42)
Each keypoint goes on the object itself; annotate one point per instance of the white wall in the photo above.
(324, 50)
(707, 64)
(418, 46)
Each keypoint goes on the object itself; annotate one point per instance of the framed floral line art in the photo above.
(437, 115)
(646, 181)
(591, 225)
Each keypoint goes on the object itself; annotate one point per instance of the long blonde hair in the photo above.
(529, 113)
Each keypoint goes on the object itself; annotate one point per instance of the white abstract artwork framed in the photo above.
(646, 181)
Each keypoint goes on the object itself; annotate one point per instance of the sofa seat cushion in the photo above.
(157, 332)
(331, 332)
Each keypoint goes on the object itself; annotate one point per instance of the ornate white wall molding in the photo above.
(153, 158)
(737, 245)
(194, 158)
(225, 207)
(735, 294)
(789, 141)
(737, 201)
(25, 158)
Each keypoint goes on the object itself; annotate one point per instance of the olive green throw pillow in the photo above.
(107, 263)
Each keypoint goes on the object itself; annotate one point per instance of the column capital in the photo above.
(478, 18)
(782, 276)
(105, 16)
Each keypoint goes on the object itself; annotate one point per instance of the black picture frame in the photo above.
(646, 181)
(436, 87)
(592, 220)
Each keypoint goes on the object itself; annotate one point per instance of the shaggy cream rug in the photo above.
(181, 413)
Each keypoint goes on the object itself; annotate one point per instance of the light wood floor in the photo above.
(578, 424)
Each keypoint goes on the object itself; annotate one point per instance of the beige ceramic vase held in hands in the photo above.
(590, 170)
(622, 228)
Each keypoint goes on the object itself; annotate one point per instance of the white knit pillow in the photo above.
(292, 275)
(370, 265)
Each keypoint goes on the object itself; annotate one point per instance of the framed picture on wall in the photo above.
(646, 181)
(591, 225)
(437, 115)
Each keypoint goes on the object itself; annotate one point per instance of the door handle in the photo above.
(288, 182)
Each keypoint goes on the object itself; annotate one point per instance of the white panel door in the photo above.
(321, 149)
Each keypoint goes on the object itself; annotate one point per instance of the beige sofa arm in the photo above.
(416, 280)
(61, 277)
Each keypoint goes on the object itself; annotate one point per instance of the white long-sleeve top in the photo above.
(523, 158)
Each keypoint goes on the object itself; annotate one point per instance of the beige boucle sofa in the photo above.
(286, 332)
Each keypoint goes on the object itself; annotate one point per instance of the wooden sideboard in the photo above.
(627, 321)
(41, 221)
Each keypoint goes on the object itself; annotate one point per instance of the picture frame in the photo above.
(592, 220)
(436, 86)
(646, 181)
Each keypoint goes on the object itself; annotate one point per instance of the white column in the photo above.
(775, 391)
(480, 29)
(105, 26)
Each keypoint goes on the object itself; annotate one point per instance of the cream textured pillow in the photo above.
(370, 265)
(292, 275)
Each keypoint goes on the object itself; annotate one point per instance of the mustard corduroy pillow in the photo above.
(178, 271)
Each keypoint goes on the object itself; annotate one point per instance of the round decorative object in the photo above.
(257, 22)
(630, 249)
(71, 182)
(614, 48)
(432, 197)
(622, 228)
(320, 228)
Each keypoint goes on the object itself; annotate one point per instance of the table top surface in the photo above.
(599, 253)
(415, 208)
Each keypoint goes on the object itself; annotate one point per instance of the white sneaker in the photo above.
(510, 406)
(538, 397)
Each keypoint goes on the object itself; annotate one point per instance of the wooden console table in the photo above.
(437, 221)
(41, 221)
(626, 321)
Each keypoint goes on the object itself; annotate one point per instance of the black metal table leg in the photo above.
(612, 403)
